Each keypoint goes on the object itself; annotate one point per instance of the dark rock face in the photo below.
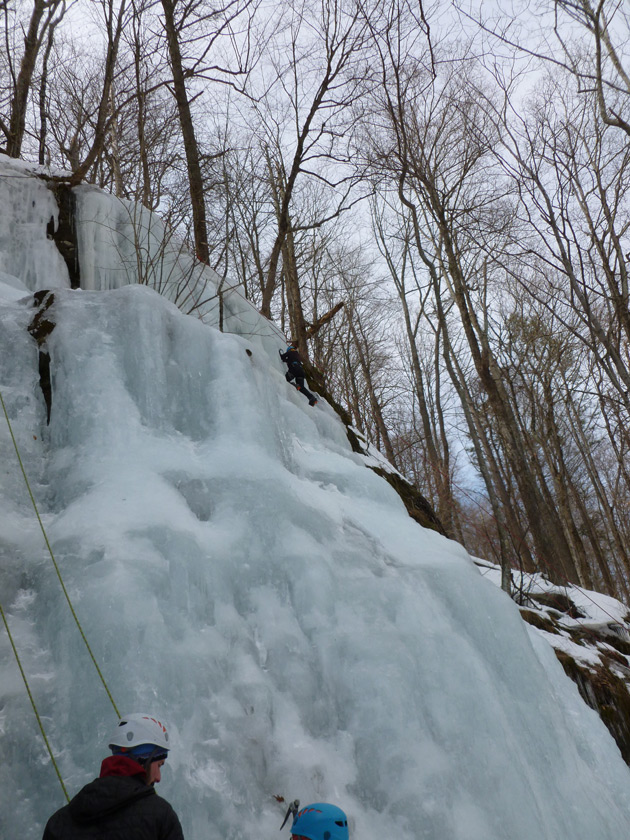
(417, 506)
(65, 238)
(64, 235)
(603, 684)
(608, 694)
(40, 328)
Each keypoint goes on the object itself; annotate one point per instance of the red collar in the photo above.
(121, 765)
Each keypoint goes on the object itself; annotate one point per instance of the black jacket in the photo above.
(292, 359)
(115, 808)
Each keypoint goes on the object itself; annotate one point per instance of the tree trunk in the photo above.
(375, 406)
(191, 148)
(32, 43)
(105, 106)
(294, 295)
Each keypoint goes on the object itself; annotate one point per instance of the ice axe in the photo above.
(291, 811)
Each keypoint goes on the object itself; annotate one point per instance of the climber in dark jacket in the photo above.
(291, 358)
(122, 803)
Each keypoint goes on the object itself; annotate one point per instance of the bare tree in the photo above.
(192, 29)
(437, 143)
(587, 40)
(114, 18)
(45, 15)
(396, 246)
(314, 83)
(572, 172)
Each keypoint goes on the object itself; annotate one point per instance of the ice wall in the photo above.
(239, 571)
(119, 243)
(122, 243)
(29, 258)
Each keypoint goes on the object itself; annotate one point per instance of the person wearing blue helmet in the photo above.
(292, 359)
(320, 821)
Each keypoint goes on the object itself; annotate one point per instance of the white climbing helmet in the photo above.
(134, 730)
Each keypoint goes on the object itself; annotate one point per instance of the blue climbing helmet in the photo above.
(320, 821)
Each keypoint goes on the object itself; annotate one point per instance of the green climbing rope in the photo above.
(52, 557)
(33, 704)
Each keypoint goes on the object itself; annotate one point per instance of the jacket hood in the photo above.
(121, 765)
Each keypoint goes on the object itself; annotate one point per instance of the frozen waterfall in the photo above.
(240, 572)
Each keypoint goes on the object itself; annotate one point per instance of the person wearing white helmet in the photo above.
(122, 803)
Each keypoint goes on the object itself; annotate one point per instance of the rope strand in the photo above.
(52, 557)
(32, 699)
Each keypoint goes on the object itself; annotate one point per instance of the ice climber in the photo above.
(320, 821)
(291, 358)
(122, 803)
